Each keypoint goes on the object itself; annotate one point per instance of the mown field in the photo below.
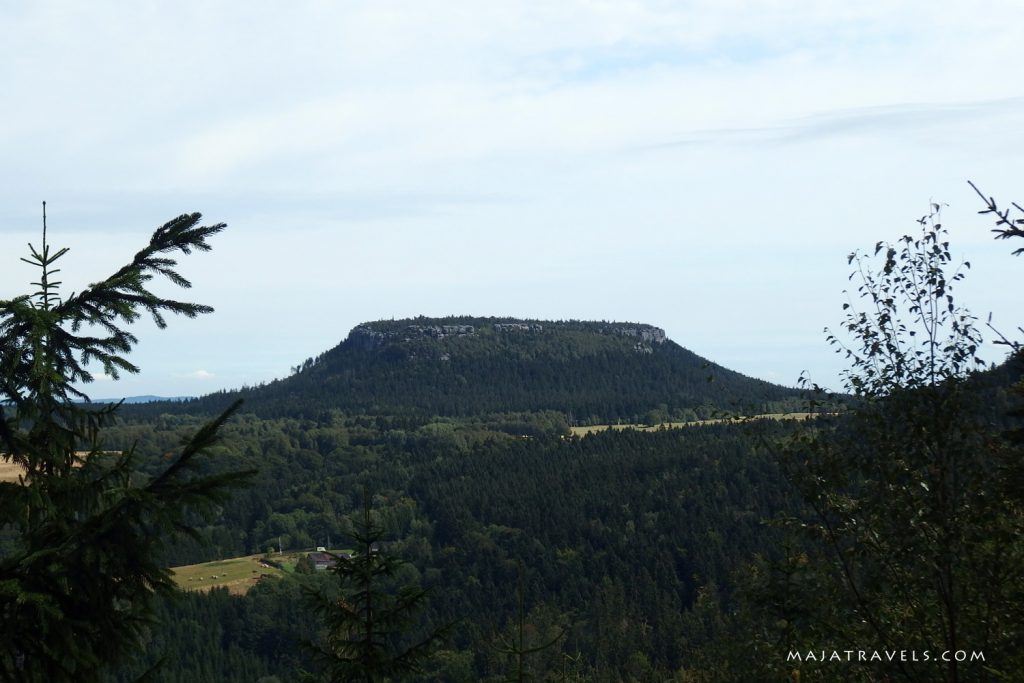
(237, 574)
(9, 471)
(583, 431)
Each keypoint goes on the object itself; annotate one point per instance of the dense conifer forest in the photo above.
(618, 533)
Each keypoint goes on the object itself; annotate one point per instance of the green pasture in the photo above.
(583, 431)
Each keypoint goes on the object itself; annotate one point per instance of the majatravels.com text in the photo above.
(885, 656)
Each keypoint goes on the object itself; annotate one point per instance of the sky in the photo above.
(701, 166)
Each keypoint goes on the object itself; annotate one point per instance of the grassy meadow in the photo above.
(583, 431)
(10, 471)
(237, 574)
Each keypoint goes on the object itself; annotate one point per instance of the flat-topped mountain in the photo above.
(461, 365)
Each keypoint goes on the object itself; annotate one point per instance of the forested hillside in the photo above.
(591, 372)
(617, 535)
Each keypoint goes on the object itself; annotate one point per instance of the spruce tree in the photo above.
(371, 628)
(81, 565)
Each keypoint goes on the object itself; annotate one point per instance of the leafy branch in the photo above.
(1013, 225)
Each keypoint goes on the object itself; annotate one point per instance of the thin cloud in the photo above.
(882, 120)
(200, 375)
(896, 118)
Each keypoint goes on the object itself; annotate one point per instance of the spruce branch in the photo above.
(76, 592)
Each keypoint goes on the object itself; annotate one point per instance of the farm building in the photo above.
(321, 560)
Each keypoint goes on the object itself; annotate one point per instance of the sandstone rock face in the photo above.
(368, 336)
(518, 327)
(441, 331)
(647, 333)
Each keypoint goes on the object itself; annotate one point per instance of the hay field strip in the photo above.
(9, 471)
(583, 431)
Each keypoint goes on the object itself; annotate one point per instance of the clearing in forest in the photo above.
(237, 574)
(583, 431)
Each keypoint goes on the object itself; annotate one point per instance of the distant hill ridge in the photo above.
(463, 366)
(148, 398)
